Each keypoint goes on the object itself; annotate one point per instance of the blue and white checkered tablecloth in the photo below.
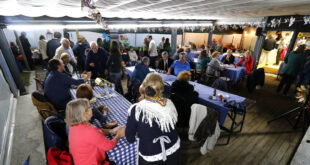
(165, 77)
(124, 153)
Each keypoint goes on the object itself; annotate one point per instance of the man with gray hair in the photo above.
(141, 70)
(96, 61)
(65, 48)
(165, 62)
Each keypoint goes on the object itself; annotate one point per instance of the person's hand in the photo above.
(88, 75)
(121, 132)
(92, 64)
(164, 72)
(115, 130)
(168, 73)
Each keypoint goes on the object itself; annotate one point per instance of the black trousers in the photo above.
(286, 80)
(152, 62)
(173, 159)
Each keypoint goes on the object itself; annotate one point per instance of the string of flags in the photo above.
(291, 21)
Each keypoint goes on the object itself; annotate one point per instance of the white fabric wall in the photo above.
(137, 39)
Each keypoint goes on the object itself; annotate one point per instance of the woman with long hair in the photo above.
(114, 64)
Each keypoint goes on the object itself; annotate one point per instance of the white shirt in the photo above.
(153, 48)
(161, 45)
(133, 56)
(42, 47)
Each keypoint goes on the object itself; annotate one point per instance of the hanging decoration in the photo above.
(292, 20)
(302, 93)
(105, 36)
(93, 13)
(273, 23)
(300, 34)
(307, 20)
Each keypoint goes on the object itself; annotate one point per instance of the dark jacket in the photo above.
(26, 46)
(269, 44)
(185, 90)
(99, 59)
(79, 51)
(230, 61)
(257, 77)
(161, 65)
(15, 51)
(294, 63)
(115, 63)
(51, 47)
(140, 72)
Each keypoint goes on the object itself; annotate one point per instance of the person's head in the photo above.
(84, 91)
(81, 39)
(202, 47)
(86, 51)
(65, 58)
(146, 61)
(149, 38)
(229, 52)
(131, 49)
(182, 57)
(114, 48)
(13, 44)
(67, 35)
(180, 50)
(301, 49)
(42, 37)
(154, 81)
(94, 46)
(56, 65)
(215, 54)
(248, 53)
(99, 41)
(270, 36)
(167, 41)
(164, 54)
(184, 76)
(163, 39)
(65, 43)
(213, 40)
(203, 54)
(188, 50)
(23, 34)
(57, 35)
(220, 41)
(145, 40)
(78, 111)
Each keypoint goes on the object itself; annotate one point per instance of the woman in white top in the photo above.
(42, 48)
(132, 56)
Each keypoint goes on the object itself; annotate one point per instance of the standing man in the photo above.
(65, 48)
(161, 44)
(26, 46)
(268, 45)
(152, 51)
(52, 45)
(96, 61)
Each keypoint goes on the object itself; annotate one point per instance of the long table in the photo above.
(165, 77)
(124, 152)
(204, 93)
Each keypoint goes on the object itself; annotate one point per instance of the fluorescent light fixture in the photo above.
(47, 26)
(97, 26)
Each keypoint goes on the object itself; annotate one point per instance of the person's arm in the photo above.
(223, 59)
(241, 61)
(232, 59)
(188, 66)
(170, 68)
(131, 126)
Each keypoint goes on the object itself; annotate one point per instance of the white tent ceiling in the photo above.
(160, 9)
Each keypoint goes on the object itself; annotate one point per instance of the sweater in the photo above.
(154, 125)
(88, 144)
(295, 62)
(248, 64)
(115, 63)
(99, 59)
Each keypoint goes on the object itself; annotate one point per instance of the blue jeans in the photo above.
(116, 79)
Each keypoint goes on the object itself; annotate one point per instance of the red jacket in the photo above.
(248, 64)
(55, 156)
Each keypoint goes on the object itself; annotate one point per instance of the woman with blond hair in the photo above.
(214, 66)
(88, 144)
(247, 62)
(153, 120)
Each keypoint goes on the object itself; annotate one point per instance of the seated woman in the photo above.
(132, 56)
(88, 144)
(203, 60)
(153, 120)
(184, 89)
(68, 67)
(247, 62)
(214, 66)
(99, 117)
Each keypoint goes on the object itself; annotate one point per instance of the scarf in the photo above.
(165, 116)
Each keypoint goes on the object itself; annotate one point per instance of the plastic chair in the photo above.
(54, 130)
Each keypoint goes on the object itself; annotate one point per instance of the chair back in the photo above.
(183, 109)
(42, 104)
(220, 84)
(54, 131)
(39, 85)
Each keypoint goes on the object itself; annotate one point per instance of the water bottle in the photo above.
(105, 84)
(113, 86)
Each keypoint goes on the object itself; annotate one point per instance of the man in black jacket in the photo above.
(165, 62)
(52, 45)
(26, 47)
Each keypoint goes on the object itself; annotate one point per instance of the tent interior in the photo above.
(240, 25)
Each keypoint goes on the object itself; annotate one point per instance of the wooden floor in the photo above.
(259, 142)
